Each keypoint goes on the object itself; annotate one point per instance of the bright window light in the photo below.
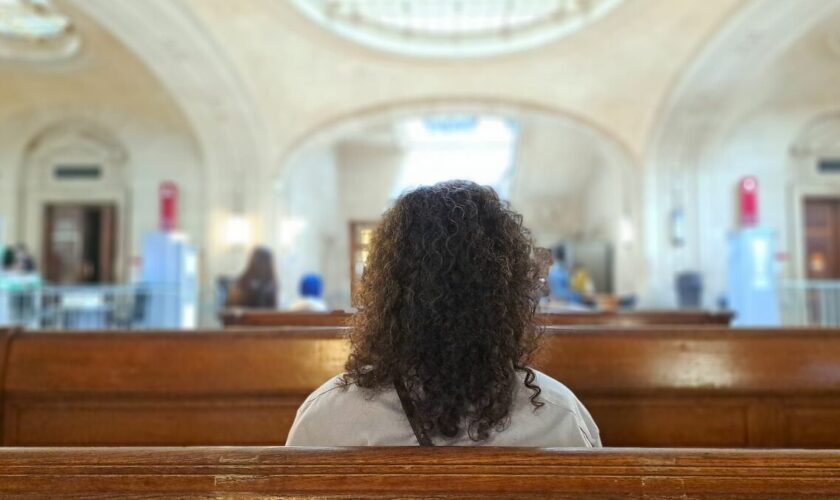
(457, 147)
(454, 28)
(32, 19)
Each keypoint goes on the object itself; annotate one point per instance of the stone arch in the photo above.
(73, 142)
(817, 139)
(616, 154)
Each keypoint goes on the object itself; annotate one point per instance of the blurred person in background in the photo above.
(256, 288)
(559, 282)
(311, 295)
(18, 259)
(581, 281)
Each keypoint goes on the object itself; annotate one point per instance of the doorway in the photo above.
(822, 238)
(79, 243)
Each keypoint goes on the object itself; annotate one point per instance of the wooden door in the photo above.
(79, 243)
(822, 238)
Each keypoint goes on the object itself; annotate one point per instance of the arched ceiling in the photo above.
(724, 80)
(613, 74)
(184, 55)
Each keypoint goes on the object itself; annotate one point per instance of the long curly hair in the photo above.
(447, 305)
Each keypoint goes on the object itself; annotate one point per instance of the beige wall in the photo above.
(308, 202)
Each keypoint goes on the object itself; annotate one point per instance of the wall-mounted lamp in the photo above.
(626, 231)
(238, 231)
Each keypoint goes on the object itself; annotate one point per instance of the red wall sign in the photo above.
(748, 201)
(168, 196)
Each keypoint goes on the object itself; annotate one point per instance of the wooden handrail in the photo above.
(268, 318)
(402, 472)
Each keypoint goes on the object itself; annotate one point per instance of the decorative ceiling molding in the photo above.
(820, 137)
(76, 132)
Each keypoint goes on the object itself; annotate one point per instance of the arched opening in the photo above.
(814, 200)
(573, 184)
(79, 237)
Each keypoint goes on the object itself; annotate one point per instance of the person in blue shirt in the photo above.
(311, 290)
(558, 279)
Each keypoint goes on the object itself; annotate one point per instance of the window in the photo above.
(454, 28)
(35, 30)
(479, 149)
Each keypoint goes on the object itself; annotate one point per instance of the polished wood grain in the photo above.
(245, 317)
(637, 318)
(241, 317)
(417, 473)
(6, 336)
(657, 386)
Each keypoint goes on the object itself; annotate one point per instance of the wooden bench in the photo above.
(417, 473)
(241, 317)
(656, 387)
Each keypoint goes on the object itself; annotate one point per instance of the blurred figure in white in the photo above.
(311, 290)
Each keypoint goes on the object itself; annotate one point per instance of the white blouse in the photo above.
(336, 416)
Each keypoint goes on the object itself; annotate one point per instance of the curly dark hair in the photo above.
(447, 305)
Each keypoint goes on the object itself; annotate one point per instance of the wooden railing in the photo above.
(242, 317)
(657, 386)
(417, 473)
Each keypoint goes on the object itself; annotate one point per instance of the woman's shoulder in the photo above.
(554, 392)
(328, 389)
(564, 402)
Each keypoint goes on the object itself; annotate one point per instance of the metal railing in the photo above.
(93, 307)
(810, 303)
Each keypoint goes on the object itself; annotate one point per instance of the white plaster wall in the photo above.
(309, 195)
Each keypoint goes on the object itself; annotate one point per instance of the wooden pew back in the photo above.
(654, 387)
(268, 318)
(637, 318)
(263, 318)
(415, 472)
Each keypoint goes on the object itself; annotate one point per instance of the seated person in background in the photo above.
(311, 289)
(9, 260)
(558, 279)
(257, 287)
(443, 337)
(562, 297)
(582, 282)
(17, 259)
